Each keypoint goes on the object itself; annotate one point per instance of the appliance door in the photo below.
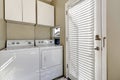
(26, 64)
(7, 62)
(51, 73)
(4, 57)
(51, 57)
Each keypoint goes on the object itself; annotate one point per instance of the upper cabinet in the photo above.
(25, 11)
(13, 10)
(45, 14)
(29, 10)
(20, 10)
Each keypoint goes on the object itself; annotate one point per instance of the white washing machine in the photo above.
(51, 57)
(24, 63)
(6, 63)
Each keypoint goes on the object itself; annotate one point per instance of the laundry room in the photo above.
(59, 40)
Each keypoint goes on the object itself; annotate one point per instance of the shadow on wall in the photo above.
(2, 26)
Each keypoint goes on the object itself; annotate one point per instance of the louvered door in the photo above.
(84, 50)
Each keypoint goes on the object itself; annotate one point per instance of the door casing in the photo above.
(103, 53)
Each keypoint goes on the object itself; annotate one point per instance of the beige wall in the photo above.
(113, 37)
(2, 26)
(42, 32)
(19, 31)
(60, 20)
(27, 32)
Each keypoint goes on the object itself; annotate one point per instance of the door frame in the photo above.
(103, 37)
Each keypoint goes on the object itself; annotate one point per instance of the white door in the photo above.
(13, 10)
(84, 39)
(29, 11)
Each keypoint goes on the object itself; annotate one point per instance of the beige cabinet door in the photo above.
(29, 11)
(45, 14)
(13, 10)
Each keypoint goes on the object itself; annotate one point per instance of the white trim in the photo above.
(66, 37)
(104, 34)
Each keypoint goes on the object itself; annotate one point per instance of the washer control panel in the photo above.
(18, 43)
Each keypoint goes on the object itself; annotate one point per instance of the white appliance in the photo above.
(23, 61)
(26, 61)
(6, 64)
(52, 59)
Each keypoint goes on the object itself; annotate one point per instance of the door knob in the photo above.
(97, 48)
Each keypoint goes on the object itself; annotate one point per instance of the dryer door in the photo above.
(51, 57)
